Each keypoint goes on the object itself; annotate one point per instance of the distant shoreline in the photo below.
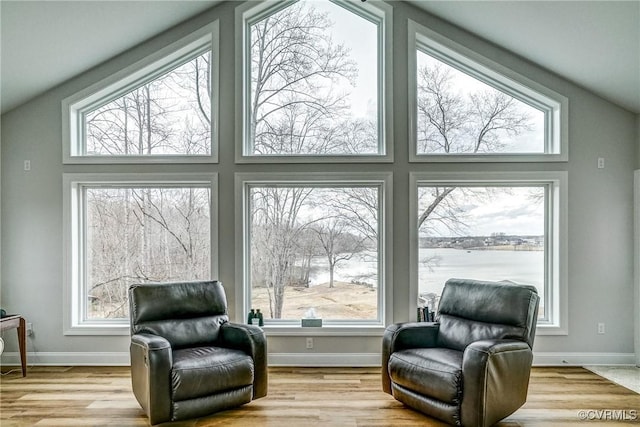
(508, 248)
(494, 248)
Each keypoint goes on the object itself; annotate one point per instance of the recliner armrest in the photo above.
(495, 346)
(151, 362)
(402, 336)
(411, 335)
(251, 340)
(150, 342)
(496, 379)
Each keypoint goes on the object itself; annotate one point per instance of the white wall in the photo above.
(600, 231)
(636, 254)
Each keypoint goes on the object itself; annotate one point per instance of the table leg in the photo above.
(22, 342)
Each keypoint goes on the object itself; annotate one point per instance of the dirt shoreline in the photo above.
(343, 301)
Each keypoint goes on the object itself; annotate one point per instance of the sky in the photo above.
(508, 210)
(363, 51)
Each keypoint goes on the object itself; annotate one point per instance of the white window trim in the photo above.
(556, 220)
(118, 83)
(373, 10)
(293, 328)
(73, 262)
(496, 75)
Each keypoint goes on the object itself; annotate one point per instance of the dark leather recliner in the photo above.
(187, 359)
(471, 367)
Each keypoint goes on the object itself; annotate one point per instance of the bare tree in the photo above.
(143, 234)
(442, 113)
(275, 229)
(449, 123)
(297, 76)
(307, 248)
(337, 242)
(168, 115)
(360, 207)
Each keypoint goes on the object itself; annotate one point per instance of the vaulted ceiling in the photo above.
(595, 44)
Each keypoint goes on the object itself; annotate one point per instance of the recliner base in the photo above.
(434, 408)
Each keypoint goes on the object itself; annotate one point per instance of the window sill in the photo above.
(140, 160)
(107, 329)
(332, 330)
(488, 158)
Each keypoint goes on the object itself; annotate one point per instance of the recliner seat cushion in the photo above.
(202, 371)
(435, 372)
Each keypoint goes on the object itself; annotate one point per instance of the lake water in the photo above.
(526, 267)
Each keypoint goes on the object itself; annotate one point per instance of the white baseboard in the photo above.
(303, 359)
(582, 359)
(324, 359)
(50, 358)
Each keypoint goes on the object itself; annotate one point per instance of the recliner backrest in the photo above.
(185, 313)
(473, 310)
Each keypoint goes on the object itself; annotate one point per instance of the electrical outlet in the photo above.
(29, 329)
(601, 328)
(600, 162)
(309, 343)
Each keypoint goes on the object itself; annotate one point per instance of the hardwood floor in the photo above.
(101, 396)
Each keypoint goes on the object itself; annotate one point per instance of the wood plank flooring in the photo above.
(102, 396)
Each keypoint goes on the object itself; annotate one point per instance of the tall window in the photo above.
(468, 108)
(311, 88)
(161, 109)
(130, 229)
(311, 92)
(125, 226)
(505, 229)
(315, 248)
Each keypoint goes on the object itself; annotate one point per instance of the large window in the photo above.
(506, 228)
(312, 91)
(314, 248)
(313, 161)
(465, 107)
(133, 229)
(162, 109)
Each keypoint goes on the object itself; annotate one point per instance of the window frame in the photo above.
(556, 220)
(74, 262)
(554, 105)
(384, 180)
(130, 77)
(374, 11)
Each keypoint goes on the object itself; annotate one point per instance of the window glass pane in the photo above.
(315, 248)
(314, 87)
(459, 114)
(485, 233)
(170, 115)
(142, 234)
